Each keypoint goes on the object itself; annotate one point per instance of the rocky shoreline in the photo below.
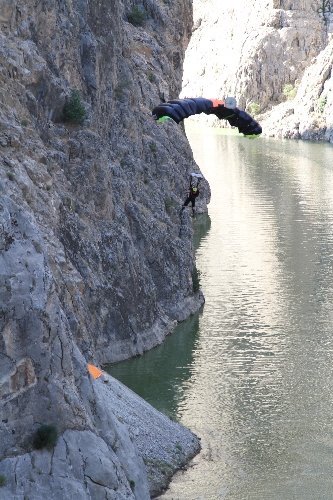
(139, 451)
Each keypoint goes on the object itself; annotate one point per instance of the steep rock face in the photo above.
(263, 52)
(95, 263)
(309, 114)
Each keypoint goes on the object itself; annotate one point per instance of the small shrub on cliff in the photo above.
(11, 176)
(132, 484)
(196, 279)
(253, 108)
(45, 437)
(2, 480)
(137, 16)
(321, 103)
(74, 111)
(151, 77)
(289, 91)
(152, 147)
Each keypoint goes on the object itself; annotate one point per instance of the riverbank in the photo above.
(146, 444)
(164, 445)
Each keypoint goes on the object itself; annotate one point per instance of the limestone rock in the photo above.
(90, 243)
(273, 55)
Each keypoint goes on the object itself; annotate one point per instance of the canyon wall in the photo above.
(275, 56)
(95, 263)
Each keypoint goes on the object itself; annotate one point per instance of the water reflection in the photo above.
(257, 382)
(161, 375)
(202, 223)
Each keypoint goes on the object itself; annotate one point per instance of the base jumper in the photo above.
(193, 191)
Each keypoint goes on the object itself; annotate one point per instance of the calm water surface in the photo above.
(252, 374)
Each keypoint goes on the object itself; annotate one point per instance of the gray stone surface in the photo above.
(309, 115)
(95, 262)
(265, 46)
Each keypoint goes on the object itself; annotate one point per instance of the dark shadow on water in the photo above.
(202, 223)
(160, 375)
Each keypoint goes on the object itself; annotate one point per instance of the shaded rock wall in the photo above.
(95, 264)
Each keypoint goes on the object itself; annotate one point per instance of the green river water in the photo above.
(252, 373)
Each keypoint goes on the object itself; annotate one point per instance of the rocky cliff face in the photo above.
(273, 55)
(95, 262)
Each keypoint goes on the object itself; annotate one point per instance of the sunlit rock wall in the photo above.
(309, 114)
(265, 52)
